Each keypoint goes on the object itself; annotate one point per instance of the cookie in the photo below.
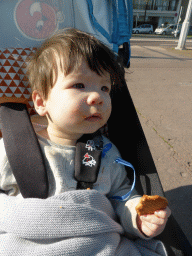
(150, 204)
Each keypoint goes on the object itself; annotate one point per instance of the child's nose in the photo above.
(94, 99)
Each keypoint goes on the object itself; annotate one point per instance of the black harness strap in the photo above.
(23, 150)
(88, 160)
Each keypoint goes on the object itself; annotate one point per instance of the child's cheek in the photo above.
(77, 112)
(80, 107)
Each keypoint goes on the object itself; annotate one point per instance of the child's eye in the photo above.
(79, 86)
(105, 89)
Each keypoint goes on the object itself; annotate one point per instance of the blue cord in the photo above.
(126, 196)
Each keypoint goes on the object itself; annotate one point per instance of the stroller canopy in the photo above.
(26, 23)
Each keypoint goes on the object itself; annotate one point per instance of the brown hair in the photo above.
(71, 45)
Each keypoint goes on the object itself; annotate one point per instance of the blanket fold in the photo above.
(68, 215)
(73, 223)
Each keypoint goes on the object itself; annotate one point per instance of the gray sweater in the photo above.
(59, 160)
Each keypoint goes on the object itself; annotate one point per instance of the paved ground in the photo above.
(160, 82)
(168, 43)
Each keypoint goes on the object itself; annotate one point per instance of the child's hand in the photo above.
(152, 225)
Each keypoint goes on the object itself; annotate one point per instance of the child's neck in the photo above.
(47, 134)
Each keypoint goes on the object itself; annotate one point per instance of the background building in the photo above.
(157, 12)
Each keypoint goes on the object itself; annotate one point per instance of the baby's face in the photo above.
(79, 103)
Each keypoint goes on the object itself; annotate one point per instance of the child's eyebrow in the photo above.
(106, 78)
(85, 75)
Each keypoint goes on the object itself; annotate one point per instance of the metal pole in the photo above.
(185, 28)
(178, 20)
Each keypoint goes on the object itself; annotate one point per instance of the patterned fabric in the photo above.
(14, 86)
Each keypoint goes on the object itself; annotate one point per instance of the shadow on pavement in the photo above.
(180, 202)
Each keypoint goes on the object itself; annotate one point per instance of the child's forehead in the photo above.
(82, 70)
(88, 74)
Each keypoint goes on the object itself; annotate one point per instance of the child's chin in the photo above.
(91, 129)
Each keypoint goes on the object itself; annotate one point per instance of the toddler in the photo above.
(72, 75)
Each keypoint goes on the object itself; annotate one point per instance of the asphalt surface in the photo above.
(160, 83)
(162, 42)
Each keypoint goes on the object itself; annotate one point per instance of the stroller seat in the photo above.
(18, 118)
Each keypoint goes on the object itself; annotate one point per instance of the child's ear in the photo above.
(39, 103)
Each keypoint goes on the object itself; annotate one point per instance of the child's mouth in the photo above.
(94, 118)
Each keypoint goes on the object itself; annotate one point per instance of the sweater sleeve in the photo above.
(120, 185)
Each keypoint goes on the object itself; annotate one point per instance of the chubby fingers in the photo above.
(164, 214)
(153, 224)
(159, 217)
(152, 219)
(151, 230)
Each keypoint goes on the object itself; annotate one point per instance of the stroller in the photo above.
(16, 105)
